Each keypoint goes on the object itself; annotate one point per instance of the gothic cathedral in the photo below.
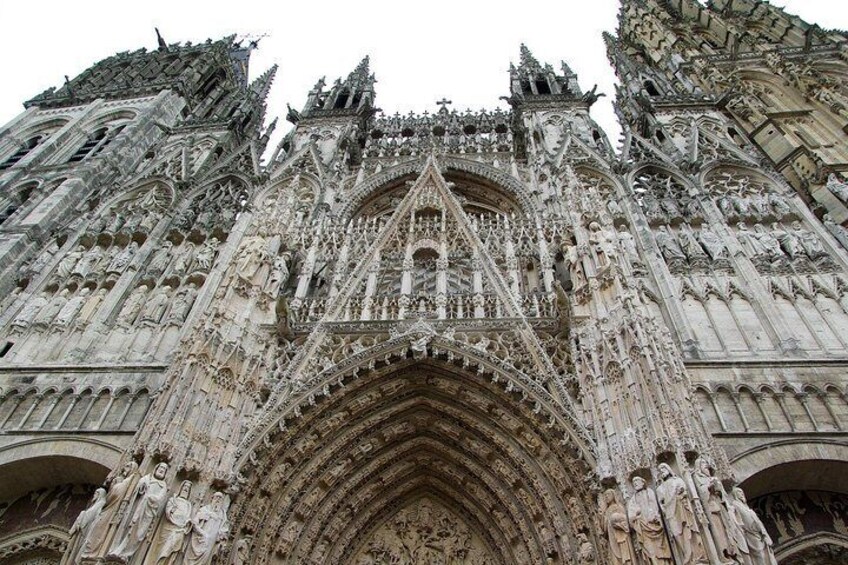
(448, 338)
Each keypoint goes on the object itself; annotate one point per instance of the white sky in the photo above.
(420, 51)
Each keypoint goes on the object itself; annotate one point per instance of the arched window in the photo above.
(96, 142)
(22, 151)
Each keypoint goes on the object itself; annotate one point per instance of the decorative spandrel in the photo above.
(422, 533)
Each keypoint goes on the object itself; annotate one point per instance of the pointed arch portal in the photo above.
(417, 461)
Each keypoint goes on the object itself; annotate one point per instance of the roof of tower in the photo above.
(531, 80)
(185, 68)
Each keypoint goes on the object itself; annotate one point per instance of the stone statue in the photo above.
(779, 205)
(68, 262)
(206, 255)
(241, 552)
(711, 492)
(89, 262)
(30, 311)
(668, 245)
(133, 305)
(603, 243)
(209, 527)
(628, 245)
(788, 241)
(690, 244)
(123, 259)
(712, 243)
(155, 306)
(563, 305)
(46, 314)
(618, 530)
(44, 258)
(279, 274)
(283, 313)
(679, 517)
(645, 520)
(79, 529)
(87, 312)
(94, 544)
(758, 542)
(182, 304)
(149, 497)
(770, 244)
(185, 256)
(586, 551)
(251, 258)
(809, 241)
(69, 311)
(170, 539)
(160, 260)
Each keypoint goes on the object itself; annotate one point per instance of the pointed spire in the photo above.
(262, 85)
(361, 75)
(162, 44)
(528, 61)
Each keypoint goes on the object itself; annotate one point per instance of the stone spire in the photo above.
(531, 79)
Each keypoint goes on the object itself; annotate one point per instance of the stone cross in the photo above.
(444, 104)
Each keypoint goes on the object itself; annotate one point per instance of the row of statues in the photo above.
(758, 206)
(680, 523)
(154, 306)
(136, 521)
(687, 244)
(781, 242)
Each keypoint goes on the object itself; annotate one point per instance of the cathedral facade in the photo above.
(447, 338)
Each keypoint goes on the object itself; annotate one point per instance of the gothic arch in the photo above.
(331, 484)
(479, 172)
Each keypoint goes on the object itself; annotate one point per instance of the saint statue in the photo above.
(81, 526)
(170, 539)
(109, 516)
(679, 517)
(208, 528)
(758, 541)
(645, 520)
(618, 530)
(149, 497)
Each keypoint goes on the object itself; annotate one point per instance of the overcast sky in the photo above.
(420, 51)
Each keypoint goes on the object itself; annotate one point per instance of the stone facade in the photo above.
(442, 338)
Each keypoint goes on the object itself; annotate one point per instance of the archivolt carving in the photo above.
(407, 431)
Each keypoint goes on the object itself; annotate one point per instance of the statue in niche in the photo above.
(44, 258)
(679, 517)
(760, 205)
(110, 515)
(46, 314)
(716, 506)
(838, 188)
(628, 244)
(149, 497)
(603, 243)
(120, 262)
(167, 546)
(779, 205)
(89, 262)
(749, 241)
(133, 305)
(154, 307)
(183, 303)
(742, 206)
(68, 262)
(644, 515)
(160, 260)
(759, 544)
(206, 255)
(87, 312)
(81, 526)
(690, 244)
(185, 256)
(788, 241)
(770, 244)
(279, 274)
(69, 311)
(809, 242)
(209, 528)
(668, 245)
(712, 243)
(618, 530)
(251, 258)
(241, 552)
(726, 207)
(586, 551)
(30, 310)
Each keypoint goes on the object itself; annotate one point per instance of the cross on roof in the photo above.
(444, 104)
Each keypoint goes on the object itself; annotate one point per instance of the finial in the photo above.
(162, 45)
(444, 105)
